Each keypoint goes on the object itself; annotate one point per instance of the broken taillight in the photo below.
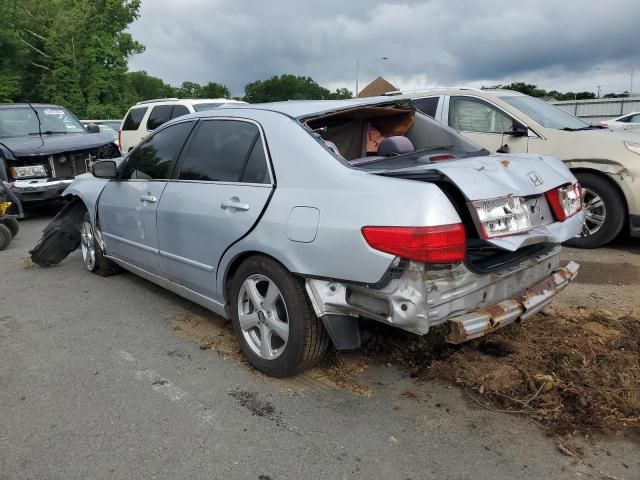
(565, 201)
(439, 244)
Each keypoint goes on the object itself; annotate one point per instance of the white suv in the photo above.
(144, 117)
(606, 163)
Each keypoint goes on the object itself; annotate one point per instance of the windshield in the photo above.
(21, 120)
(544, 113)
(201, 107)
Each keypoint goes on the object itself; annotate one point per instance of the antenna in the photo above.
(39, 123)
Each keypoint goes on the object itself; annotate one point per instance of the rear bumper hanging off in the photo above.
(487, 319)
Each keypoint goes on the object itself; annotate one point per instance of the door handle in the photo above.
(148, 198)
(235, 204)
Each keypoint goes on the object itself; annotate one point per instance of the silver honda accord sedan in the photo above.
(297, 220)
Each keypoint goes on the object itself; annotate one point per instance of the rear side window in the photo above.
(428, 106)
(226, 151)
(152, 159)
(159, 114)
(179, 110)
(134, 118)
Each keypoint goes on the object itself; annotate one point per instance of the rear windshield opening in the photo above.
(134, 118)
(376, 133)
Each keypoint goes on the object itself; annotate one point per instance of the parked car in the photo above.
(113, 124)
(43, 147)
(275, 216)
(606, 163)
(630, 121)
(105, 128)
(144, 117)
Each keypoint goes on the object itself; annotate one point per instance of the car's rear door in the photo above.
(223, 183)
(127, 206)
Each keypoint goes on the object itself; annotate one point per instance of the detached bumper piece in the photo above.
(61, 236)
(487, 319)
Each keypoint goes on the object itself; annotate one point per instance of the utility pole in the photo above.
(599, 87)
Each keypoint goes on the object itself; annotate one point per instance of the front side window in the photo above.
(547, 115)
(226, 151)
(635, 118)
(159, 114)
(153, 158)
(468, 114)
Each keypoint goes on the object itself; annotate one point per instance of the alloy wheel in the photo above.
(263, 316)
(595, 212)
(88, 245)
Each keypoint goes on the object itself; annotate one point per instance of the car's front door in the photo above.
(486, 125)
(127, 206)
(222, 184)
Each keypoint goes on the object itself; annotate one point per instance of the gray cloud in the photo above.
(428, 42)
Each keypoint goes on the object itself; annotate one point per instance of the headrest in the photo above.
(395, 146)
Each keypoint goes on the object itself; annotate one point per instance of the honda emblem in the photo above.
(535, 179)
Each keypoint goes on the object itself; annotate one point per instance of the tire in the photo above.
(604, 209)
(92, 255)
(13, 225)
(283, 311)
(5, 236)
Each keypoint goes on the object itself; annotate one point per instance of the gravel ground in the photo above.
(104, 378)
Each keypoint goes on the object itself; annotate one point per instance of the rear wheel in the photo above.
(5, 236)
(604, 212)
(92, 256)
(13, 225)
(276, 327)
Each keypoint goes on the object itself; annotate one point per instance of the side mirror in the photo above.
(104, 169)
(518, 130)
(93, 128)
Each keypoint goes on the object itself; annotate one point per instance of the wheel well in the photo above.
(607, 179)
(235, 264)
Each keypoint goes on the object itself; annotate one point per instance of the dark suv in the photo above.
(43, 147)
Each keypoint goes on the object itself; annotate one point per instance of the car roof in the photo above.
(26, 105)
(303, 108)
(488, 92)
(192, 101)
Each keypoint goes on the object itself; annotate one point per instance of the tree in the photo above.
(215, 90)
(341, 93)
(68, 51)
(147, 87)
(289, 87)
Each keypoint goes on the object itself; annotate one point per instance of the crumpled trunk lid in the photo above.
(495, 176)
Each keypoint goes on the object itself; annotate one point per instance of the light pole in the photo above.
(365, 60)
(622, 70)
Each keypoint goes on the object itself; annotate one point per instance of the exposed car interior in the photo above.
(369, 134)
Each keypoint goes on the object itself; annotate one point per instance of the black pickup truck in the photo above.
(43, 147)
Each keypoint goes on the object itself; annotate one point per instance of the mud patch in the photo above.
(337, 372)
(597, 273)
(573, 371)
(257, 407)
(210, 331)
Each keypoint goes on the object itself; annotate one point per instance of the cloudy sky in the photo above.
(556, 44)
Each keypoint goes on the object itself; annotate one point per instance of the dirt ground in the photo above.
(574, 369)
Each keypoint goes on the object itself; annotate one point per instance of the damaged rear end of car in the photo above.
(498, 265)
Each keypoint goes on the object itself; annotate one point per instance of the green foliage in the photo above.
(289, 87)
(534, 91)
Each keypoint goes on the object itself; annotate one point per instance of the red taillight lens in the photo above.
(440, 244)
(565, 201)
